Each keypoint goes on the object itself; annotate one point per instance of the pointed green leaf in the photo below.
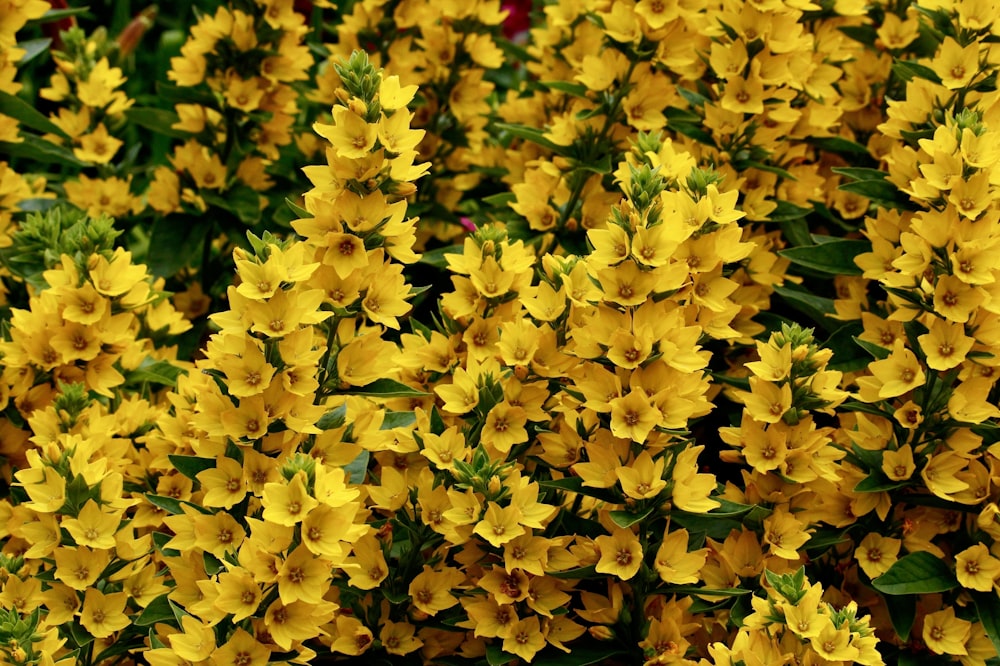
(155, 372)
(626, 519)
(158, 610)
(835, 257)
(191, 466)
(27, 115)
(837, 144)
(39, 150)
(988, 608)
(877, 351)
(902, 613)
(32, 49)
(160, 121)
(916, 573)
(387, 388)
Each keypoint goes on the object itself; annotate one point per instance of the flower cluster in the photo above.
(658, 333)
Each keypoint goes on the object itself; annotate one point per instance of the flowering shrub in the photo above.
(554, 333)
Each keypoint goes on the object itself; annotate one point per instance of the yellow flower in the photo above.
(385, 299)
(239, 595)
(785, 534)
(876, 553)
(767, 402)
(643, 478)
(504, 427)
(195, 643)
(98, 147)
(834, 644)
(249, 373)
(692, 490)
(611, 246)
(946, 634)
(103, 615)
(804, 618)
(954, 300)
(218, 533)
(303, 577)
(940, 473)
(241, 649)
(93, 527)
(899, 373)
(350, 135)
(392, 96)
(351, 636)
(675, 564)
(398, 637)
(223, 485)
(117, 276)
(898, 465)
(976, 568)
(621, 554)
(431, 589)
(956, 65)
(288, 504)
(525, 638)
(366, 567)
(633, 416)
(80, 567)
(499, 524)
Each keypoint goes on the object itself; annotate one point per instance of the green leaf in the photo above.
(582, 654)
(691, 97)
(499, 200)
(191, 466)
(861, 173)
(907, 69)
(847, 356)
(436, 258)
(916, 573)
(785, 210)
(160, 121)
(160, 540)
(495, 656)
(333, 418)
(864, 34)
(173, 241)
(876, 482)
(576, 573)
(299, 211)
(79, 635)
(59, 14)
(837, 144)
(387, 388)
(878, 352)
(988, 608)
(158, 610)
(817, 307)
(39, 150)
(173, 506)
(625, 519)
(357, 469)
(902, 612)
(26, 114)
(32, 49)
(879, 190)
(155, 372)
(531, 134)
(243, 201)
(703, 591)
(760, 166)
(834, 258)
(574, 484)
(574, 89)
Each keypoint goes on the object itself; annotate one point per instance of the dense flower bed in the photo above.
(574, 332)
